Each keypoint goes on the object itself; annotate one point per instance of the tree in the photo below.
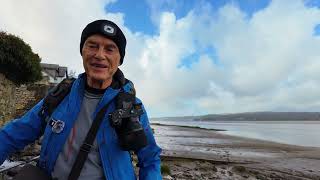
(17, 61)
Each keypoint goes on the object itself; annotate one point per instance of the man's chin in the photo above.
(99, 76)
(98, 79)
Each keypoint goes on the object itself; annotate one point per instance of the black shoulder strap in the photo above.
(87, 144)
(55, 96)
(91, 135)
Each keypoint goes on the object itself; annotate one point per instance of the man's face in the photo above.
(101, 58)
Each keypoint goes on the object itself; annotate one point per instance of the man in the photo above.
(102, 48)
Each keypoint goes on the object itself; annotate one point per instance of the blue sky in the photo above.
(191, 57)
(138, 14)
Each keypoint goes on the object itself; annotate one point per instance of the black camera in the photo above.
(125, 120)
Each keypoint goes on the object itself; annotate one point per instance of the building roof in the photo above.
(54, 70)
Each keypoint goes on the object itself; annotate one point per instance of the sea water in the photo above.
(302, 133)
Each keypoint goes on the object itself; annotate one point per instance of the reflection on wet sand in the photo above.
(183, 146)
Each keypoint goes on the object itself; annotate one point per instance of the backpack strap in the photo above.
(55, 97)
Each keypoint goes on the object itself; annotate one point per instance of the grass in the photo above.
(165, 169)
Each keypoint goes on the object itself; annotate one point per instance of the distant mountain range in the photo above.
(252, 116)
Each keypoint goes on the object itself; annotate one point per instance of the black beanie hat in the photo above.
(108, 29)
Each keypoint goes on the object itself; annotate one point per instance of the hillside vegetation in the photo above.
(17, 61)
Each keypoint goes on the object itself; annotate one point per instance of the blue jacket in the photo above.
(116, 162)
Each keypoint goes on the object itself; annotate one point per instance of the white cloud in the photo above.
(52, 28)
(258, 57)
(267, 62)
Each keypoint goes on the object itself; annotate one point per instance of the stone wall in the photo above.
(28, 96)
(15, 101)
(7, 99)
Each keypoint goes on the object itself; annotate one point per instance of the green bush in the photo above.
(17, 61)
(165, 169)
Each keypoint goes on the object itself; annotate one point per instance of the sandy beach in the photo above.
(194, 153)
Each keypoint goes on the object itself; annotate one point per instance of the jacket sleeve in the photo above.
(149, 156)
(20, 132)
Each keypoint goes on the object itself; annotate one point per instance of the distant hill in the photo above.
(252, 116)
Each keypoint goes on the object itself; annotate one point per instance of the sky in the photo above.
(191, 57)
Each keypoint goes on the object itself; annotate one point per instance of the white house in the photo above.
(53, 73)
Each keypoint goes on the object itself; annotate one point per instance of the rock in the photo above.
(245, 176)
(214, 169)
(230, 173)
(208, 175)
(188, 175)
(239, 169)
(259, 176)
(273, 175)
(167, 177)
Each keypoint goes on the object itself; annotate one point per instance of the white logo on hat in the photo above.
(108, 29)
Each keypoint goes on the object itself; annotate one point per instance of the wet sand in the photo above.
(194, 153)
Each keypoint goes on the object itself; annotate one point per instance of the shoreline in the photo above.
(232, 135)
(195, 127)
(184, 146)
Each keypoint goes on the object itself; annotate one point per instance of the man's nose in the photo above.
(100, 53)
